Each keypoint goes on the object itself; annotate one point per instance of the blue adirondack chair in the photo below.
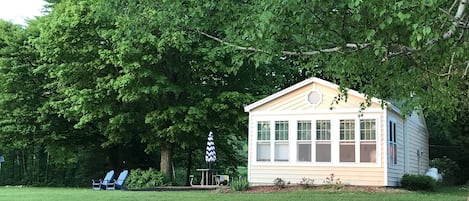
(103, 183)
(119, 183)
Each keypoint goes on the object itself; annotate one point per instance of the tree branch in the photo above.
(456, 19)
(356, 46)
(403, 50)
(325, 23)
(465, 71)
(450, 66)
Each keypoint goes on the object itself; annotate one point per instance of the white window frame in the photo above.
(348, 139)
(264, 141)
(304, 141)
(281, 141)
(391, 136)
(321, 141)
(369, 138)
(334, 119)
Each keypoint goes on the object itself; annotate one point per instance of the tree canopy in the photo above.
(156, 76)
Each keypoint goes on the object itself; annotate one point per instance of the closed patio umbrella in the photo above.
(210, 154)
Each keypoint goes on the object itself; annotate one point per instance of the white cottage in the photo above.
(293, 134)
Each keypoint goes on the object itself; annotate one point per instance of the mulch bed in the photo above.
(270, 189)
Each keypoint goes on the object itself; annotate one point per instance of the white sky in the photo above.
(17, 11)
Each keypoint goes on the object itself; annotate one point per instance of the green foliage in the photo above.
(78, 194)
(331, 182)
(418, 182)
(240, 184)
(279, 182)
(306, 182)
(96, 75)
(140, 179)
(448, 168)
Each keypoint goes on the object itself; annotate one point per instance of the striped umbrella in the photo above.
(210, 154)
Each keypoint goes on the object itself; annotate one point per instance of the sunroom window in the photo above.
(281, 141)
(367, 140)
(263, 141)
(347, 140)
(323, 141)
(304, 140)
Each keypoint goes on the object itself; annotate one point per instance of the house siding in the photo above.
(395, 172)
(418, 140)
(291, 105)
(265, 175)
(294, 106)
(297, 101)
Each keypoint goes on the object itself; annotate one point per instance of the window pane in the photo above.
(391, 153)
(263, 130)
(304, 130)
(347, 152)
(367, 129)
(392, 143)
(281, 130)
(323, 152)
(323, 130)
(304, 151)
(368, 152)
(281, 151)
(390, 131)
(347, 129)
(263, 151)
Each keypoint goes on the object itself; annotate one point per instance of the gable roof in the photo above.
(303, 83)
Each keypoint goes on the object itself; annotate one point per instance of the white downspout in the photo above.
(404, 132)
(385, 139)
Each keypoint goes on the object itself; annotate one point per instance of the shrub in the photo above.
(144, 179)
(448, 169)
(306, 182)
(332, 182)
(279, 182)
(418, 182)
(241, 184)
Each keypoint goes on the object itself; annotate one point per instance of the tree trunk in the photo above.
(166, 161)
(188, 167)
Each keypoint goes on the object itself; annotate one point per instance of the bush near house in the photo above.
(139, 179)
(448, 168)
(240, 184)
(418, 182)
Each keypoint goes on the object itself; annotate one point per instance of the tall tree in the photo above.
(132, 70)
(406, 50)
(20, 97)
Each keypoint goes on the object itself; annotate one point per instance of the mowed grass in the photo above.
(52, 194)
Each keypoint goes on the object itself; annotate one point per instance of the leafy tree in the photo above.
(414, 53)
(126, 71)
(20, 96)
(405, 50)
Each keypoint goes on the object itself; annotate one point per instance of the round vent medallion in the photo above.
(314, 97)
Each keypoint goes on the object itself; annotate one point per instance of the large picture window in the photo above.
(353, 140)
(281, 141)
(263, 141)
(367, 140)
(304, 140)
(347, 140)
(323, 141)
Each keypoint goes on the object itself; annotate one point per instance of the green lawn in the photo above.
(23, 194)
